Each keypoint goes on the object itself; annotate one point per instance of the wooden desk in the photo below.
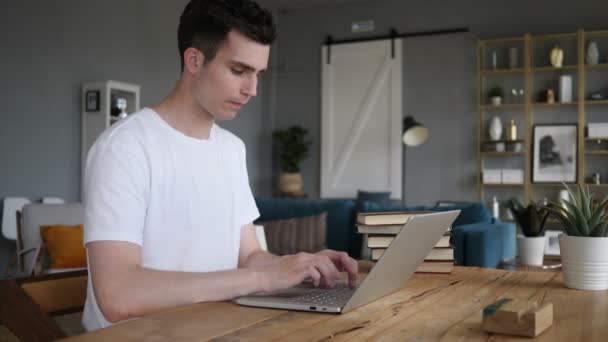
(430, 307)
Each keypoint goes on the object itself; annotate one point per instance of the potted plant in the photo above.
(531, 219)
(496, 94)
(584, 247)
(292, 148)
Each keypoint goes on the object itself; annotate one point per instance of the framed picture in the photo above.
(91, 99)
(554, 154)
(552, 242)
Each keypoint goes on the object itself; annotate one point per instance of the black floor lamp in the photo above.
(414, 134)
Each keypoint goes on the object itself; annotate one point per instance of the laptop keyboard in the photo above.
(337, 295)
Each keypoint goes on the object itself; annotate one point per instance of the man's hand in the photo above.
(322, 268)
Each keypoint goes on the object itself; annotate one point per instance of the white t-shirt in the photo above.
(183, 200)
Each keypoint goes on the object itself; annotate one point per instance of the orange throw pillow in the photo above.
(64, 245)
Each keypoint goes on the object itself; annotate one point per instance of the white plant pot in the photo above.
(496, 100)
(531, 250)
(584, 262)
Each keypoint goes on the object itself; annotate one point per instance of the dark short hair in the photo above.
(205, 25)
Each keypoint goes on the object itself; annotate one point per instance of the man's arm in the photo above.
(250, 252)
(124, 289)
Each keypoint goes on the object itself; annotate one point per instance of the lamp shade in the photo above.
(414, 133)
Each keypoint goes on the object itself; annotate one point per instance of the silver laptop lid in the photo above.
(402, 257)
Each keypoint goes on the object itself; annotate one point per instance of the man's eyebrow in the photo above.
(247, 66)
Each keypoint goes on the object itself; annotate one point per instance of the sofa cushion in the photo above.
(340, 216)
(297, 234)
(474, 212)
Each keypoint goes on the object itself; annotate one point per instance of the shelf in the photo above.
(556, 104)
(597, 152)
(555, 36)
(596, 139)
(501, 141)
(596, 102)
(501, 154)
(502, 185)
(503, 106)
(597, 185)
(502, 72)
(552, 68)
(557, 185)
(599, 66)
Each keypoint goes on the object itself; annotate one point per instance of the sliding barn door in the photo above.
(361, 118)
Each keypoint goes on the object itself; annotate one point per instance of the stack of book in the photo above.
(379, 230)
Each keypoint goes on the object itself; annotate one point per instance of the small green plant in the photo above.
(292, 148)
(496, 92)
(531, 218)
(579, 216)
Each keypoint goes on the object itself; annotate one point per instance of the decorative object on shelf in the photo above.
(496, 94)
(494, 60)
(531, 219)
(512, 130)
(513, 58)
(92, 101)
(565, 88)
(557, 56)
(563, 197)
(512, 176)
(554, 157)
(597, 129)
(495, 208)
(593, 54)
(550, 96)
(584, 247)
(514, 146)
(517, 96)
(121, 104)
(491, 176)
(597, 97)
(495, 128)
(292, 148)
(596, 178)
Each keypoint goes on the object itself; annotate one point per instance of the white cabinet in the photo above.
(99, 108)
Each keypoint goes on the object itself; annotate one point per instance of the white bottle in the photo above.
(495, 208)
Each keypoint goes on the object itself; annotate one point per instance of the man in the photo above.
(168, 202)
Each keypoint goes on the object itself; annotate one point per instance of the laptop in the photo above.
(396, 265)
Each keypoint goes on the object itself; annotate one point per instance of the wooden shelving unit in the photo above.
(534, 74)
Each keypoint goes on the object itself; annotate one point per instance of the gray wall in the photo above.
(49, 48)
(439, 74)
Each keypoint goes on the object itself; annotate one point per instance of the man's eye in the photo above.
(237, 71)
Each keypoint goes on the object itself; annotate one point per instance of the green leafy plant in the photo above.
(292, 148)
(496, 92)
(579, 216)
(531, 218)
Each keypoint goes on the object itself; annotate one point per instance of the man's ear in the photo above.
(193, 60)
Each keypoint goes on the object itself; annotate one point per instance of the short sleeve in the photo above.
(247, 209)
(116, 190)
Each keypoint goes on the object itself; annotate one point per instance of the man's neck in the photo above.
(182, 112)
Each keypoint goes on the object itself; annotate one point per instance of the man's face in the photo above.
(225, 84)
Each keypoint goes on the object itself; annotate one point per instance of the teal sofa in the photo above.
(478, 239)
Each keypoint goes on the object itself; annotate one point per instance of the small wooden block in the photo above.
(517, 317)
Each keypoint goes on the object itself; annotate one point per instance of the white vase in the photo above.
(495, 128)
(531, 250)
(496, 100)
(593, 54)
(584, 262)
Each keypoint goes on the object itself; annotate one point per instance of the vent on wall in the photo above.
(362, 26)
